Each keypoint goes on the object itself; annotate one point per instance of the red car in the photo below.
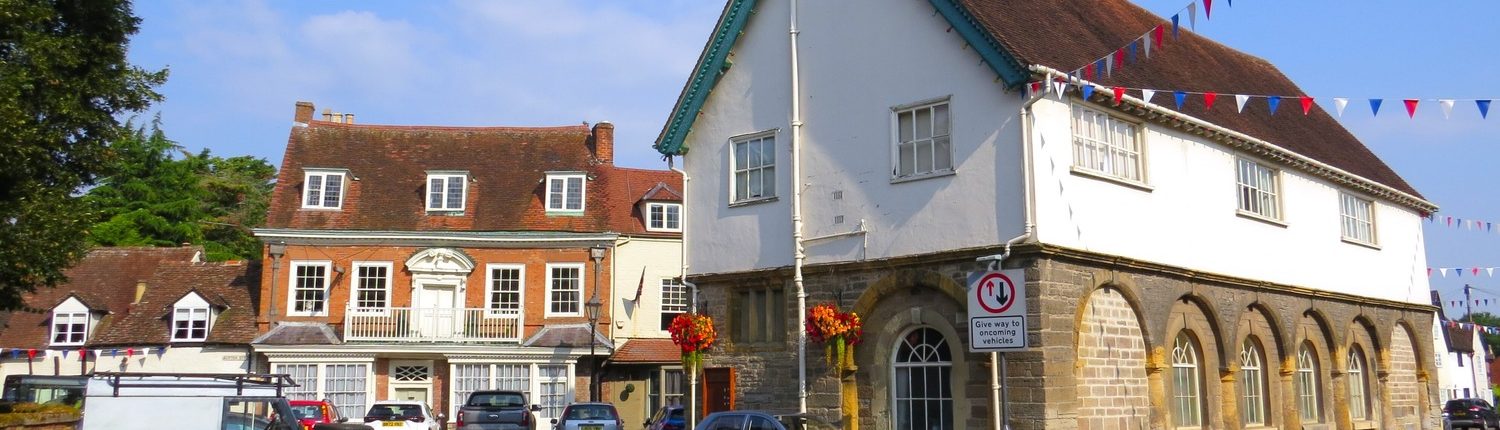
(312, 412)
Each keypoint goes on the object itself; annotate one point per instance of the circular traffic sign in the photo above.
(996, 292)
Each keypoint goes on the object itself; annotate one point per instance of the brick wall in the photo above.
(1402, 381)
(1112, 385)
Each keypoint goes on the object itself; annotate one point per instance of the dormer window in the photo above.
(191, 317)
(69, 328)
(663, 217)
(323, 189)
(70, 322)
(446, 190)
(565, 192)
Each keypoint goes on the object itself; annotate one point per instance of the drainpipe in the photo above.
(798, 256)
(1000, 416)
(692, 410)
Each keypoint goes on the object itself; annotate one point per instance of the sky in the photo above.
(239, 66)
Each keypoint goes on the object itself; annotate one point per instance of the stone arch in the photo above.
(1402, 380)
(1192, 316)
(908, 281)
(1213, 334)
(1258, 325)
(888, 316)
(1113, 390)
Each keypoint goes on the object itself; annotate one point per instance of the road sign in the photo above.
(997, 311)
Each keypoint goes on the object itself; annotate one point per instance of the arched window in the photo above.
(921, 379)
(1252, 385)
(1359, 404)
(1187, 383)
(1307, 385)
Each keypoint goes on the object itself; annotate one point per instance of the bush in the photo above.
(33, 413)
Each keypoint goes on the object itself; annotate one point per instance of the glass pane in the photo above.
(904, 126)
(906, 159)
(739, 155)
(314, 189)
(455, 192)
(924, 156)
(924, 123)
(575, 193)
(768, 180)
(332, 190)
(753, 155)
(944, 154)
(756, 188)
(435, 193)
(940, 120)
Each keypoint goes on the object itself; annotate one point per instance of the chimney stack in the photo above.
(604, 142)
(140, 291)
(304, 113)
(328, 114)
(348, 118)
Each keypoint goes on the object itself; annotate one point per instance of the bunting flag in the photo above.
(1447, 108)
(1375, 107)
(1273, 101)
(1181, 97)
(1130, 52)
(1119, 95)
(1484, 108)
(1208, 9)
(1208, 100)
(1340, 102)
(1411, 108)
(1175, 32)
(1147, 94)
(1307, 103)
(1160, 31)
(31, 353)
(1085, 75)
(1239, 102)
(1193, 16)
(1088, 90)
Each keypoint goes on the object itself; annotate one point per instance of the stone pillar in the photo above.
(1229, 400)
(1290, 419)
(1338, 391)
(1155, 364)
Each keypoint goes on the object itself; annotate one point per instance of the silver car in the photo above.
(589, 416)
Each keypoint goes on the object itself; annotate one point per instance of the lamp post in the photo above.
(596, 253)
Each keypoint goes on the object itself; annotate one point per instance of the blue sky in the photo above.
(238, 66)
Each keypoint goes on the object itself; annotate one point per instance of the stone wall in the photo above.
(1112, 388)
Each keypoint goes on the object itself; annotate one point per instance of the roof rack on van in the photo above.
(197, 380)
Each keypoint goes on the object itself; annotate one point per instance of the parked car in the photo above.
(402, 414)
(497, 410)
(666, 418)
(589, 416)
(1471, 413)
(754, 420)
(313, 412)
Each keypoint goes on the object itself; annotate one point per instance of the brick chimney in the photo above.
(304, 112)
(604, 142)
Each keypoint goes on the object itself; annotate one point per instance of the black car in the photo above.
(1471, 413)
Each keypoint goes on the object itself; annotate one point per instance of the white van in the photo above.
(187, 401)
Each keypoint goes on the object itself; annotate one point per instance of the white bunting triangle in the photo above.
(1109, 65)
(1239, 101)
(1193, 15)
(1146, 95)
(1340, 102)
(1447, 107)
(1147, 45)
(1490, 271)
(1443, 271)
(1059, 87)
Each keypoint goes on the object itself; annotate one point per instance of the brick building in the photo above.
(426, 262)
(136, 309)
(1201, 267)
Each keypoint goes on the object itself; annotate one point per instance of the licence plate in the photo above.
(393, 424)
(591, 427)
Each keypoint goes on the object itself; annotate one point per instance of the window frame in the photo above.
(1278, 216)
(72, 316)
(355, 287)
(663, 304)
(322, 376)
(1346, 218)
(1359, 385)
(651, 207)
(897, 143)
(734, 169)
(307, 188)
(548, 302)
(490, 310)
(208, 321)
(1306, 379)
(1186, 364)
(1138, 136)
(291, 287)
(447, 176)
(1253, 375)
(754, 321)
(944, 369)
(562, 206)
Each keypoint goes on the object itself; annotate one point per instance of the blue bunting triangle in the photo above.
(1375, 107)
(1099, 68)
(1181, 97)
(1088, 90)
(1130, 51)
(1274, 101)
(1484, 108)
(1174, 26)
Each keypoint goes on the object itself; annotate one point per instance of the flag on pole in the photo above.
(640, 287)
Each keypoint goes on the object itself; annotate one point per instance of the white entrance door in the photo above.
(437, 316)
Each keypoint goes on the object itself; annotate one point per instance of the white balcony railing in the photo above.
(432, 325)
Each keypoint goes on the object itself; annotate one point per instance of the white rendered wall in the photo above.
(657, 259)
(191, 359)
(1188, 218)
(857, 62)
(1452, 379)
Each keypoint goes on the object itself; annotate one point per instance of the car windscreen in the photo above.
(308, 411)
(591, 412)
(392, 411)
(501, 400)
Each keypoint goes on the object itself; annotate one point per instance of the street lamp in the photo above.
(596, 253)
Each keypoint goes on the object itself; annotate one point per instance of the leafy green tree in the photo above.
(64, 81)
(160, 195)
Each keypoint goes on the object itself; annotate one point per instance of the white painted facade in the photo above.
(642, 263)
(1461, 374)
(1185, 215)
(184, 359)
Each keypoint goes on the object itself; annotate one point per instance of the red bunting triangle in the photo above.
(1088, 73)
(1159, 30)
(1120, 58)
(1208, 9)
(1411, 108)
(30, 354)
(1036, 87)
(1208, 100)
(1119, 95)
(1307, 103)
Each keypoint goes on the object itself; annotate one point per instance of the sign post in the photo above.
(997, 323)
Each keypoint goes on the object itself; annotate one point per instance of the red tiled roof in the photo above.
(507, 166)
(104, 279)
(647, 351)
(230, 287)
(1066, 35)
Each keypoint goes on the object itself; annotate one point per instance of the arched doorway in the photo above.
(922, 381)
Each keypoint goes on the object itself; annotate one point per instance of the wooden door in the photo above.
(718, 390)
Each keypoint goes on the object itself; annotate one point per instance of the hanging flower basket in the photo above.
(694, 334)
(840, 331)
